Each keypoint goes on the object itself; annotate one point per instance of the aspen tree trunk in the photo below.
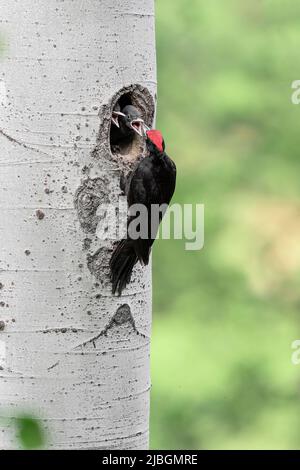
(73, 355)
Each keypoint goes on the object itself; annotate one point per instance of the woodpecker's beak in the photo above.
(138, 126)
(115, 117)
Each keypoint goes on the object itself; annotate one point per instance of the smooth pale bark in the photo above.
(75, 356)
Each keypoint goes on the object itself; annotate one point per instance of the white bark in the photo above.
(74, 358)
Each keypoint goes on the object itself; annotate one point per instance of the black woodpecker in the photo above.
(152, 182)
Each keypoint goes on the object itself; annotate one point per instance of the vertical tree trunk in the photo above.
(75, 356)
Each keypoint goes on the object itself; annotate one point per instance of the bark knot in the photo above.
(123, 315)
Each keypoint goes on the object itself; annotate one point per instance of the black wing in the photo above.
(153, 182)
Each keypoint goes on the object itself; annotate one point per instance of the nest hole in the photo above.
(131, 146)
(125, 100)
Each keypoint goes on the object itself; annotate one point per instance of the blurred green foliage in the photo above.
(225, 317)
(27, 429)
(29, 432)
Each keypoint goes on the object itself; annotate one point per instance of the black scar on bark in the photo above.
(88, 197)
(123, 315)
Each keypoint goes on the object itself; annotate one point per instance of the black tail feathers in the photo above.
(121, 265)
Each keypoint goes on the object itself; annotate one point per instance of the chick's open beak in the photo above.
(115, 117)
(138, 126)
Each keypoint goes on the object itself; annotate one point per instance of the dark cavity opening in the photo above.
(130, 145)
(125, 100)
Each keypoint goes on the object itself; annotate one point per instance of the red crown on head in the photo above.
(156, 138)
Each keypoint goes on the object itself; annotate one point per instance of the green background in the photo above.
(225, 316)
